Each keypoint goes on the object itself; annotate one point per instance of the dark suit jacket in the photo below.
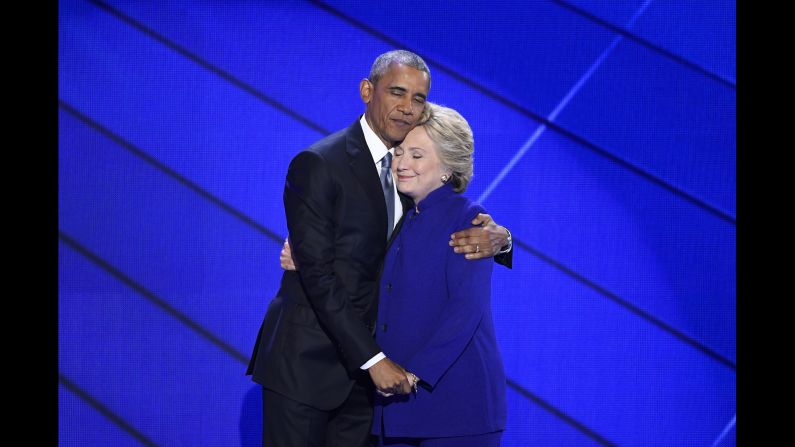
(318, 330)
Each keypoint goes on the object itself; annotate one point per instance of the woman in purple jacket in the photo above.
(434, 315)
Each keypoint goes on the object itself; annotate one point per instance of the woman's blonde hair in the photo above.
(452, 136)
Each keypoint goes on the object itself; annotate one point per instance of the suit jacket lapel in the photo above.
(361, 163)
(407, 204)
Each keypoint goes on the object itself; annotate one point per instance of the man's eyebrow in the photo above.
(405, 90)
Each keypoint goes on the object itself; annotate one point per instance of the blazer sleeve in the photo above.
(309, 200)
(468, 295)
(505, 259)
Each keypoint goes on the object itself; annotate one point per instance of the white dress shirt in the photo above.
(378, 150)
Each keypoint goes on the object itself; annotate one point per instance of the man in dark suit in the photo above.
(315, 354)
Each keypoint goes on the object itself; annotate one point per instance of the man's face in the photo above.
(395, 102)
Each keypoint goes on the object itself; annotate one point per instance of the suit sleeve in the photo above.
(468, 296)
(505, 259)
(309, 201)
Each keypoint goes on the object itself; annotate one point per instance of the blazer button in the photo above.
(383, 327)
(389, 287)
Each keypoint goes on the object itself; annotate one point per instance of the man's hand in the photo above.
(482, 241)
(286, 257)
(389, 377)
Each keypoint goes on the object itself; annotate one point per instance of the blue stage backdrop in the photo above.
(604, 139)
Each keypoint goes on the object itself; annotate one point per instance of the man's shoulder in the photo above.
(329, 142)
(334, 144)
(330, 153)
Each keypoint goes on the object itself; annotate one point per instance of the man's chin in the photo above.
(398, 137)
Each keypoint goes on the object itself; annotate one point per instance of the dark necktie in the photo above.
(389, 193)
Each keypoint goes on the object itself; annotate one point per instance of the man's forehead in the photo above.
(397, 69)
(398, 74)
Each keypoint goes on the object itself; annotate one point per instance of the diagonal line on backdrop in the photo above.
(559, 108)
(212, 68)
(105, 411)
(629, 306)
(170, 172)
(725, 431)
(536, 117)
(560, 414)
(648, 44)
(156, 300)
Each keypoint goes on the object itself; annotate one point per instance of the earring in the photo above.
(444, 178)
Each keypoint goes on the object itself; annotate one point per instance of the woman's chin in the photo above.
(406, 191)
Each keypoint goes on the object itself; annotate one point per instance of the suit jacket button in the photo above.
(383, 327)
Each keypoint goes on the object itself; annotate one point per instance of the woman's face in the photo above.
(416, 165)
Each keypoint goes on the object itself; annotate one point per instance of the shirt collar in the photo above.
(377, 147)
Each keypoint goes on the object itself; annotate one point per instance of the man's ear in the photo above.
(366, 90)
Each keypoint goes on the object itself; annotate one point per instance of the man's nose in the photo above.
(406, 106)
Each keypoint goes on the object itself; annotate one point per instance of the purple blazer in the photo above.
(434, 319)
